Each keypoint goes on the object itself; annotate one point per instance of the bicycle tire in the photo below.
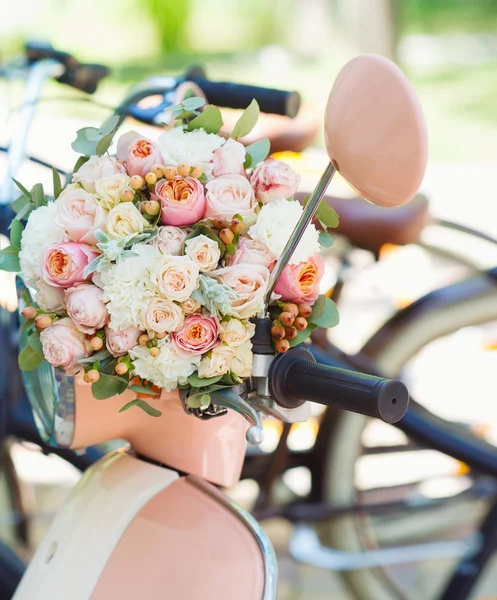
(344, 448)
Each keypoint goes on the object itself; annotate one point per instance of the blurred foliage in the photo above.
(170, 19)
(441, 16)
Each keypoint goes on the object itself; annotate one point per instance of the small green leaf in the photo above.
(80, 162)
(129, 405)
(329, 316)
(325, 214)
(318, 308)
(193, 103)
(38, 195)
(24, 212)
(205, 400)
(139, 389)
(230, 249)
(198, 400)
(9, 259)
(325, 239)
(22, 188)
(153, 412)
(195, 381)
(57, 185)
(303, 335)
(35, 343)
(16, 229)
(101, 355)
(210, 120)
(108, 386)
(247, 121)
(90, 140)
(29, 359)
(27, 324)
(257, 152)
(19, 203)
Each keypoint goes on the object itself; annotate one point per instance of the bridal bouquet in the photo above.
(144, 271)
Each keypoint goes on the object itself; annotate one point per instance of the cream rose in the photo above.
(228, 196)
(162, 316)
(190, 306)
(204, 252)
(249, 282)
(96, 168)
(241, 363)
(169, 239)
(125, 221)
(80, 215)
(235, 332)
(108, 189)
(50, 298)
(175, 277)
(216, 362)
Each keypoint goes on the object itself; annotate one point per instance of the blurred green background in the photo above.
(447, 47)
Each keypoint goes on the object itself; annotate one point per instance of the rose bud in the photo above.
(226, 236)
(158, 171)
(305, 310)
(300, 323)
(236, 226)
(136, 182)
(196, 171)
(291, 308)
(170, 172)
(29, 312)
(278, 332)
(151, 178)
(282, 346)
(127, 195)
(183, 169)
(43, 321)
(290, 332)
(92, 376)
(287, 318)
(121, 368)
(96, 343)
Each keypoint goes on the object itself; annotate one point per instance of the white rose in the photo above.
(162, 316)
(108, 189)
(216, 362)
(249, 282)
(190, 306)
(125, 221)
(204, 252)
(228, 196)
(235, 332)
(175, 277)
(50, 298)
(192, 147)
(241, 363)
(276, 222)
(169, 239)
(229, 159)
(96, 168)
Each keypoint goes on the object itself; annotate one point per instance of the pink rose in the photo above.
(169, 239)
(251, 252)
(80, 215)
(249, 282)
(119, 343)
(63, 264)
(228, 196)
(229, 159)
(182, 200)
(140, 153)
(274, 179)
(85, 307)
(300, 283)
(197, 335)
(64, 345)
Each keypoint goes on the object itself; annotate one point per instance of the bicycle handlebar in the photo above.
(296, 377)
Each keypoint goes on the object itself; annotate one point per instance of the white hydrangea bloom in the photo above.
(127, 287)
(40, 233)
(274, 225)
(192, 147)
(166, 370)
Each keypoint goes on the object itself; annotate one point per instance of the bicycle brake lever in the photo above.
(228, 398)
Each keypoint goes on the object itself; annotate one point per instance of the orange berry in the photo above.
(29, 312)
(151, 178)
(305, 310)
(218, 223)
(300, 323)
(127, 195)
(152, 207)
(290, 333)
(92, 376)
(226, 236)
(196, 171)
(170, 172)
(96, 343)
(282, 346)
(136, 182)
(287, 318)
(159, 336)
(278, 332)
(121, 368)
(143, 339)
(291, 308)
(183, 169)
(158, 171)
(43, 321)
(236, 226)
(154, 351)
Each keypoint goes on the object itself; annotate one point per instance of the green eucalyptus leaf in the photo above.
(129, 405)
(139, 389)
(35, 342)
(210, 120)
(303, 335)
(257, 152)
(29, 358)
(153, 412)
(329, 317)
(25, 211)
(80, 162)
(38, 195)
(325, 239)
(22, 188)
(318, 308)
(9, 259)
(16, 229)
(101, 355)
(28, 323)
(108, 386)
(195, 381)
(193, 103)
(20, 203)
(247, 121)
(57, 184)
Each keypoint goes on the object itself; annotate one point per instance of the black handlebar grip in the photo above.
(236, 95)
(84, 77)
(296, 377)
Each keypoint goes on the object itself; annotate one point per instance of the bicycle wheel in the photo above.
(359, 458)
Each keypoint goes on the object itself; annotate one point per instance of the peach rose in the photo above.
(169, 239)
(251, 252)
(249, 282)
(228, 196)
(198, 334)
(85, 307)
(204, 252)
(140, 153)
(80, 215)
(63, 264)
(274, 179)
(182, 200)
(119, 343)
(63, 345)
(163, 316)
(96, 168)
(229, 159)
(300, 283)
